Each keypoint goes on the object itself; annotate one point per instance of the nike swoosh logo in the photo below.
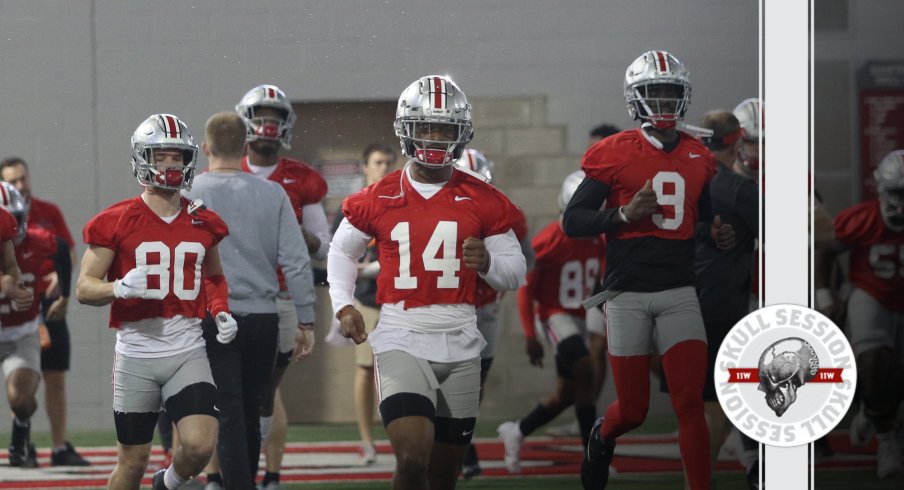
(288, 181)
(693, 155)
(462, 198)
(466, 434)
(196, 222)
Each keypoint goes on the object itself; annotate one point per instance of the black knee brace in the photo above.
(406, 405)
(569, 351)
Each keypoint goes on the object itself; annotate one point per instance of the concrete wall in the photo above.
(78, 76)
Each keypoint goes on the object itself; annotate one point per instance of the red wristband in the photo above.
(217, 294)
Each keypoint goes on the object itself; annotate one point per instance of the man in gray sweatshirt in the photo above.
(264, 234)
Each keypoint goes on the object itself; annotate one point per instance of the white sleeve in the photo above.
(313, 220)
(347, 247)
(507, 264)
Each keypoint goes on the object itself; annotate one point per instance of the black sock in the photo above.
(214, 478)
(21, 432)
(471, 458)
(538, 417)
(586, 417)
(270, 477)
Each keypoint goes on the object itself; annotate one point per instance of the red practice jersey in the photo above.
(485, 293)
(9, 227)
(419, 240)
(47, 215)
(173, 251)
(625, 161)
(302, 183)
(565, 272)
(38, 247)
(876, 253)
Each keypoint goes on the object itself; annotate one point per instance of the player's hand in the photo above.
(304, 341)
(722, 234)
(535, 352)
(474, 252)
(643, 204)
(21, 298)
(53, 285)
(226, 327)
(351, 324)
(57, 310)
(133, 285)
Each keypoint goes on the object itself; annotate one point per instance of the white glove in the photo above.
(133, 285)
(304, 342)
(226, 327)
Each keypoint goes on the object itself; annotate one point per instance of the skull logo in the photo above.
(784, 367)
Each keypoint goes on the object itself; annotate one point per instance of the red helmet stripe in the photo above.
(271, 93)
(438, 95)
(173, 128)
(663, 62)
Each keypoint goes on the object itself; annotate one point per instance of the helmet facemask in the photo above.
(889, 177)
(892, 206)
(749, 156)
(169, 177)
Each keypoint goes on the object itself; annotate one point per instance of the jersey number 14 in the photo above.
(442, 242)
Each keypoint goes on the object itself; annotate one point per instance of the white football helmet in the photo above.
(889, 177)
(163, 132)
(751, 113)
(433, 100)
(654, 69)
(267, 128)
(13, 202)
(477, 163)
(571, 183)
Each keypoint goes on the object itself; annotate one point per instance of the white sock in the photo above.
(266, 423)
(171, 479)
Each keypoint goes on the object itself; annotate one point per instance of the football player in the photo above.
(488, 299)
(270, 118)
(873, 234)
(19, 319)
(750, 114)
(565, 272)
(437, 229)
(55, 357)
(654, 180)
(154, 258)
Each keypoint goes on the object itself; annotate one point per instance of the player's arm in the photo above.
(721, 234)
(62, 265)
(316, 230)
(347, 247)
(92, 288)
(10, 268)
(583, 216)
(504, 266)
(295, 261)
(526, 311)
(217, 293)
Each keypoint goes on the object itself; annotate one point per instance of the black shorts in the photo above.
(56, 357)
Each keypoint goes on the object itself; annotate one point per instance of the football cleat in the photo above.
(597, 458)
(511, 436)
(68, 456)
(157, 480)
(368, 454)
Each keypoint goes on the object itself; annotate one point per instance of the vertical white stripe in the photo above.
(442, 86)
(786, 241)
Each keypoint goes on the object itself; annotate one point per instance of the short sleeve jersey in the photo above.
(485, 293)
(626, 160)
(419, 241)
(38, 246)
(174, 253)
(566, 270)
(302, 183)
(876, 253)
(44, 214)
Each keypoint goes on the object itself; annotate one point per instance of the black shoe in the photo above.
(157, 480)
(67, 457)
(471, 471)
(23, 457)
(597, 458)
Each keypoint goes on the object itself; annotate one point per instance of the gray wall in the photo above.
(78, 76)
(848, 34)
